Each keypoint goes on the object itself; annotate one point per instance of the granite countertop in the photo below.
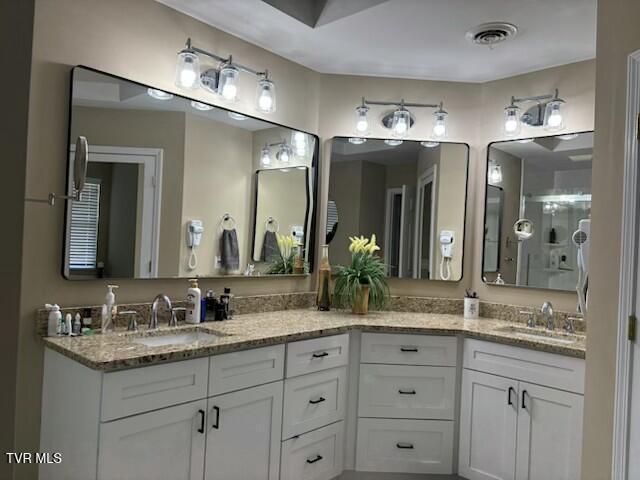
(119, 350)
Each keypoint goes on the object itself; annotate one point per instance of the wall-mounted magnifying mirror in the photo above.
(410, 194)
(546, 197)
(80, 161)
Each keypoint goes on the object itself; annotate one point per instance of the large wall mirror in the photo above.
(180, 188)
(537, 212)
(411, 195)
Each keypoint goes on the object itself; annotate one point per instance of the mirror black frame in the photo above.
(313, 173)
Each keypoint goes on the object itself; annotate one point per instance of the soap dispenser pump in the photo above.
(194, 297)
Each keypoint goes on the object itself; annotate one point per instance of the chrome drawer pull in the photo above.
(314, 460)
(406, 392)
(405, 446)
(318, 400)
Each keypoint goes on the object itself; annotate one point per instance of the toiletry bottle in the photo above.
(192, 315)
(77, 324)
(210, 306)
(324, 281)
(53, 321)
(112, 309)
(68, 327)
(105, 324)
(203, 309)
(86, 318)
(552, 235)
(226, 301)
(499, 280)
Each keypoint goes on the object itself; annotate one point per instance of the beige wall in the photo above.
(618, 36)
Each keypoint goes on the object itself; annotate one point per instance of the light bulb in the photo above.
(285, 153)
(266, 96)
(159, 94)
(201, 106)
(511, 121)
(554, 118)
(227, 83)
(362, 122)
(357, 140)
(237, 116)
(265, 156)
(187, 69)
(439, 123)
(401, 123)
(429, 144)
(392, 142)
(495, 173)
(299, 142)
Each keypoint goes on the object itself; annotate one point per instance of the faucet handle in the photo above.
(569, 326)
(132, 325)
(174, 319)
(531, 317)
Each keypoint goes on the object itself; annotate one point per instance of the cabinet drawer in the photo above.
(308, 356)
(248, 368)
(316, 455)
(404, 446)
(401, 391)
(549, 369)
(397, 349)
(313, 401)
(148, 388)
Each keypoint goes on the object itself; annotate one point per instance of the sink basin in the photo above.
(175, 339)
(538, 334)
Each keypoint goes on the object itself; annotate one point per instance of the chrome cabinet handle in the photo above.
(404, 446)
(406, 392)
(314, 460)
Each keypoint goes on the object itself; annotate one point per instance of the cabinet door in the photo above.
(488, 420)
(167, 443)
(549, 434)
(243, 434)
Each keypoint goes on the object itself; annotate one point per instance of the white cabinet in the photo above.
(401, 349)
(488, 420)
(166, 443)
(549, 434)
(308, 356)
(513, 429)
(243, 434)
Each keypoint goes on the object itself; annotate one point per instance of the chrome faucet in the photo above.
(153, 321)
(547, 313)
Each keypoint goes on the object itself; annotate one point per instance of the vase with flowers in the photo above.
(290, 259)
(363, 283)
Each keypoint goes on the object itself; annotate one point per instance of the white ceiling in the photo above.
(422, 39)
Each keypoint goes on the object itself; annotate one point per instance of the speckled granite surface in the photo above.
(120, 350)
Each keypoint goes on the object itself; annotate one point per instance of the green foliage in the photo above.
(284, 265)
(365, 269)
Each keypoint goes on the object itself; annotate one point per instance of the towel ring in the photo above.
(272, 222)
(227, 218)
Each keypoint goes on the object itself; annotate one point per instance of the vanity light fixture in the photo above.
(392, 142)
(429, 144)
(357, 140)
(495, 173)
(400, 120)
(299, 143)
(203, 107)
(265, 156)
(222, 79)
(568, 136)
(285, 153)
(237, 116)
(159, 94)
(549, 112)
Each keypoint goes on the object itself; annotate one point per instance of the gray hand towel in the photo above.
(229, 252)
(270, 250)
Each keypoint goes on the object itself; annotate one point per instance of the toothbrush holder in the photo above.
(471, 308)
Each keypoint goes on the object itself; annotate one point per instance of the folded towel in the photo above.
(270, 251)
(229, 252)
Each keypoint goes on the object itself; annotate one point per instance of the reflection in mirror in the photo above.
(411, 196)
(171, 184)
(545, 186)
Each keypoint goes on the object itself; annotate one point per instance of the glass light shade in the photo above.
(159, 94)
(265, 156)
(201, 106)
(362, 122)
(299, 142)
(392, 142)
(430, 144)
(554, 115)
(285, 153)
(228, 83)
(511, 121)
(495, 174)
(401, 123)
(266, 96)
(440, 124)
(357, 140)
(237, 116)
(188, 70)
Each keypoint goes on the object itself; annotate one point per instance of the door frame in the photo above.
(428, 176)
(628, 272)
(156, 155)
(391, 192)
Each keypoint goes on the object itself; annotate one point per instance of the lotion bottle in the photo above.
(194, 297)
(109, 314)
(54, 319)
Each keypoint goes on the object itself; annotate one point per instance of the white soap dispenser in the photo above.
(53, 322)
(194, 297)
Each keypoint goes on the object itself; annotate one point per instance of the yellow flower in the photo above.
(363, 245)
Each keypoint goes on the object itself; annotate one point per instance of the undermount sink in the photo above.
(175, 339)
(537, 334)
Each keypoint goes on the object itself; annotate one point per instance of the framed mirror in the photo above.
(410, 194)
(177, 188)
(538, 195)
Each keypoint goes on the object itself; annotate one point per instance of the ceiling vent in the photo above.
(490, 34)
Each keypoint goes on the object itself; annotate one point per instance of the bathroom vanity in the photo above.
(302, 394)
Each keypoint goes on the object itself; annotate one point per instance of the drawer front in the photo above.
(404, 446)
(308, 356)
(144, 389)
(402, 391)
(552, 370)
(313, 401)
(400, 349)
(317, 455)
(248, 368)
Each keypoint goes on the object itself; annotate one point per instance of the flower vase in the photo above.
(360, 304)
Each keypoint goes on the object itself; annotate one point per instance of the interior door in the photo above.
(243, 434)
(166, 443)
(488, 422)
(423, 251)
(549, 434)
